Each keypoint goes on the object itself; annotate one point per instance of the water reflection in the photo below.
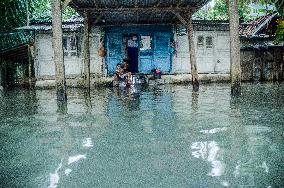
(87, 96)
(194, 101)
(158, 136)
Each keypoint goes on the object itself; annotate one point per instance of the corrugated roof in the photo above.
(48, 27)
(257, 25)
(77, 25)
(122, 12)
(137, 3)
(12, 40)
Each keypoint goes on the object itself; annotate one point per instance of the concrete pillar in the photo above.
(234, 47)
(194, 73)
(58, 50)
(86, 50)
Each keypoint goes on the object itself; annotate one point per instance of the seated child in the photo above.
(119, 74)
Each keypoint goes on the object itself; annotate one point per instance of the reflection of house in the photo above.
(261, 58)
(146, 47)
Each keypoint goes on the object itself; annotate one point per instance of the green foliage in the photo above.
(279, 4)
(219, 11)
(279, 34)
(13, 14)
(41, 11)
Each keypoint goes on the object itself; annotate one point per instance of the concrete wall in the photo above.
(44, 65)
(96, 62)
(43, 62)
(209, 60)
(215, 59)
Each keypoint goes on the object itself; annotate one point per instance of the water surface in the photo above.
(166, 136)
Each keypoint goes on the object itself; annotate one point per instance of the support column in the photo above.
(234, 47)
(58, 50)
(86, 49)
(30, 65)
(194, 73)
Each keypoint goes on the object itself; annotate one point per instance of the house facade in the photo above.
(165, 46)
(145, 46)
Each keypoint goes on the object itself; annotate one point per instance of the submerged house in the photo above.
(145, 46)
(149, 34)
(262, 58)
(154, 35)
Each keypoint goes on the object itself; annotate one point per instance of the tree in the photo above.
(219, 11)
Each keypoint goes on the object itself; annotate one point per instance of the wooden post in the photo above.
(86, 50)
(58, 50)
(234, 47)
(194, 73)
(30, 65)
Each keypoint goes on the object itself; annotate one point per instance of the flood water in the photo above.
(164, 136)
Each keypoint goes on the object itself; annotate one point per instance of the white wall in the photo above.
(209, 60)
(44, 65)
(96, 62)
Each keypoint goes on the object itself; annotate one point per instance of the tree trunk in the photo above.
(30, 67)
(194, 73)
(234, 47)
(86, 50)
(58, 50)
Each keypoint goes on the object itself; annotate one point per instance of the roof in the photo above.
(121, 12)
(77, 25)
(47, 26)
(13, 40)
(260, 33)
(256, 26)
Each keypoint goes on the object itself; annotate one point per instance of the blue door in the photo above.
(162, 55)
(114, 51)
(146, 53)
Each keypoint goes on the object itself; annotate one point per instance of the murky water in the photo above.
(157, 137)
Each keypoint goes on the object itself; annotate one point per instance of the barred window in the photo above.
(70, 45)
(200, 40)
(209, 42)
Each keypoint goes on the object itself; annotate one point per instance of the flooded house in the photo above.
(149, 43)
(145, 46)
(154, 38)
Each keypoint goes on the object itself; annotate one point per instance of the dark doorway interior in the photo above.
(131, 51)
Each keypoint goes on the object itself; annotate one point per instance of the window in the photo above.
(145, 43)
(209, 42)
(70, 45)
(200, 41)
